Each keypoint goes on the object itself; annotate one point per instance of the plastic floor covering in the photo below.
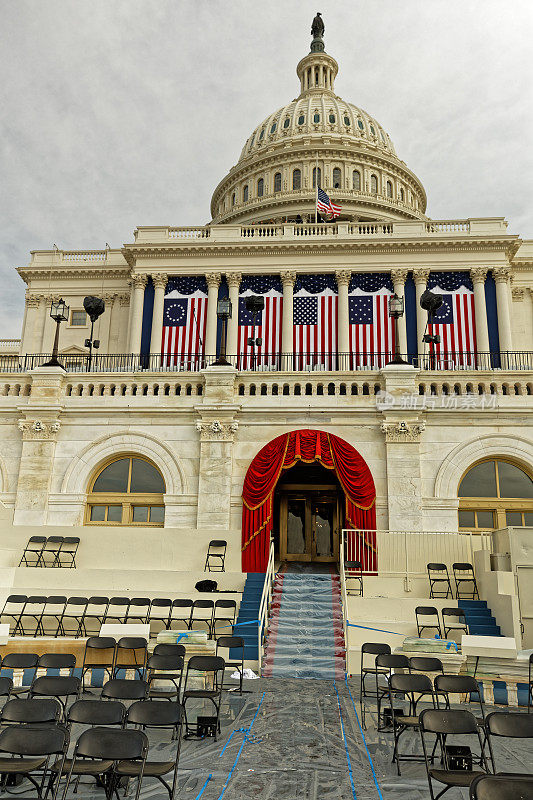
(283, 740)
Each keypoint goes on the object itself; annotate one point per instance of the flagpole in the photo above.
(316, 190)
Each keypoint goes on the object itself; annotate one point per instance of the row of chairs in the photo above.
(57, 615)
(50, 551)
(427, 619)
(463, 576)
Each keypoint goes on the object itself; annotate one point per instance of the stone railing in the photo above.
(95, 387)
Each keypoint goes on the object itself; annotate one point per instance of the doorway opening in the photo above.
(308, 514)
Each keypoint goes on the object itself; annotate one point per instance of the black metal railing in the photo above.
(275, 362)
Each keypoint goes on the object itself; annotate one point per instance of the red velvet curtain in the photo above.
(282, 453)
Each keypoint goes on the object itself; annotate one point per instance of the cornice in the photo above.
(28, 274)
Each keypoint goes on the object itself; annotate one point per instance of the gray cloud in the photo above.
(124, 113)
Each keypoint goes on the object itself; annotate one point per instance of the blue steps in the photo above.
(479, 618)
(249, 611)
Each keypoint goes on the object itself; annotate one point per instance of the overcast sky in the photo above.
(118, 113)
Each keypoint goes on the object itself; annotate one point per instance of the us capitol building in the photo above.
(147, 447)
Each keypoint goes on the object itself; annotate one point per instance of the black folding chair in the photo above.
(50, 551)
(453, 619)
(415, 688)
(508, 724)
(20, 663)
(502, 787)
(443, 724)
(12, 611)
(99, 654)
(465, 686)
(117, 609)
(160, 611)
(36, 711)
(97, 712)
(427, 618)
(139, 610)
(98, 752)
(181, 612)
(66, 557)
(224, 611)
(169, 650)
(235, 644)
(96, 610)
(202, 611)
(52, 614)
(124, 689)
(6, 687)
(151, 714)
(64, 662)
(213, 669)
(74, 612)
(385, 664)
(61, 688)
(130, 654)
(371, 649)
(31, 615)
(463, 573)
(438, 574)
(31, 557)
(30, 749)
(530, 687)
(167, 668)
(425, 664)
(353, 571)
(216, 555)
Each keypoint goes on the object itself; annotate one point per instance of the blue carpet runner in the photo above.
(479, 618)
(305, 638)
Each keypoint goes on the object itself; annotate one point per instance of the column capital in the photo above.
(109, 297)
(217, 431)
(288, 277)
(38, 430)
(234, 279)
(518, 292)
(402, 431)
(478, 274)
(399, 275)
(32, 300)
(139, 280)
(124, 299)
(421, 276)
(213, 279)
(160, 280)
(501, 274)
(343, 276)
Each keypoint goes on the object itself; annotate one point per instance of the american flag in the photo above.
(325, 206)
(372, 332)
(267, 322)
(315, 322)
(184, 322)
(454, 321)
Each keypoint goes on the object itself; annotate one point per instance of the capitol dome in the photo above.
(274, 178)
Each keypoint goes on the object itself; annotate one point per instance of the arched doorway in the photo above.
(305, 447)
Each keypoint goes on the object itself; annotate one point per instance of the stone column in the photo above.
(104, 323)
(160, 285)
(287, 279)
(399, 276)
(39, 426)
(343, 277)
(138, 284)
(120, 333)
(213, 282)
(216, 427)
(478, 275)
(421, 278)
(234, 281)
(503, 302)
(33, 304)
(402, 429)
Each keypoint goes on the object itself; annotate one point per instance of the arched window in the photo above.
(373, 184)
(494, 494)
(260, 187)
(297, 179)
(389, 189)
(301, 119)
(402, 194)
(127, 491)
(286, 122)
(245, 193)
(356, 179)
(315, 176)
(277, 182)
(316, 117)
(336, 178)
(233, 199)
(331, 118)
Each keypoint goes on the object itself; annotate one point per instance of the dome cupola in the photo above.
(318, 137)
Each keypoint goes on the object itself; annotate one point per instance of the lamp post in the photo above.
(95, 307)
(59, 313)
(223, 313)
(396, 309)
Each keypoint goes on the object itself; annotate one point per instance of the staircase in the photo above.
(305, 636)
(479, 618)
(249, 612)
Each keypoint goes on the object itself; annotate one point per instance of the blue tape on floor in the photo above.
(364, 741)
(379, 630)
(345, 743)
(202, 790)
(241, 748)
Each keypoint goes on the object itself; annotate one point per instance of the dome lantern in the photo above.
(317, 71)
